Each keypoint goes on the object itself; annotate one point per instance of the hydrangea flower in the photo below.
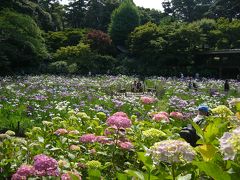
(147, 100)
(88, 138)
(103, 140)
(171, 151)
(18, 177)
(119, 121)
(153, 133)
(160, 117)
(73, 132)
(125, 145)
(176, 115)
(45, 166)
(229, 144)
(123, 114)
(61, 132)
(23, 172)
(93, 164)
(10, 133)
(223, 111)
(101, 115)
(67, 176)
(74, 148)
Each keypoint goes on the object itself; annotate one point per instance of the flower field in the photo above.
(56, 127)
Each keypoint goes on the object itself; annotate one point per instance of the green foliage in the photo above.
(58, 67)
(74, 54)
(124, 19)
(21, 41)
(68, 37)
(150, 15)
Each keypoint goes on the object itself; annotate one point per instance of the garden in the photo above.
(78, 127)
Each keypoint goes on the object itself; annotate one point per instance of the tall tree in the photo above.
(21, 41)
(76, 11)
(99, 12)
(225, 8)
(31, 8)
(187, 10)
(150, 15)
(123, 21)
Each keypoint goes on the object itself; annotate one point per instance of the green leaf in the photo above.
(73, 177)
(207, 151)
(147, 161)
(137, 174)
(212, 170)
(121, 176)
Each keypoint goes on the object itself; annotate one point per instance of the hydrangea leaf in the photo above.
(207, 151)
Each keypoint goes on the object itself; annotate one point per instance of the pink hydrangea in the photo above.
(25, 170)
(123, 114)
(147, 100)
(160, 117)
(88, 138)
(74, 148)
(61, 132)
(103, 140)
(73, 132)
(16, 176)
(125, 145)
(176, 115)
(67, 176)
(45, 166)
(164, 113)
(119, 122)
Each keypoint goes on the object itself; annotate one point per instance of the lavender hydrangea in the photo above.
(171, 151)
(119, 121)
(45, 166)
(229, 144)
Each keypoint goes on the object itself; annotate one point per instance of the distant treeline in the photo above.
(113, 36)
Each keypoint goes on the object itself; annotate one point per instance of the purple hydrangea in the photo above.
(119, 121)
(88, 138)
(45, 166)
(229, 144)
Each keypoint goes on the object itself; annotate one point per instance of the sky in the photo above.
(153, 4)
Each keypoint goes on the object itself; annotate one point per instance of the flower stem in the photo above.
(173, 171)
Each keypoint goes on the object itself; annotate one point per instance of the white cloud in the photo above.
(154, 4)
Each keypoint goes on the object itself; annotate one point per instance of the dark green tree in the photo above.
(75, 13)
(225, 8)
(99, 12)
(150, 15)
(187, 10)
(21, 42)
(123, 21)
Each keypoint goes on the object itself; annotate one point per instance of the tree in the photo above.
(68, 37)
(100, 42)
(76, 11)
(225, 8)
(21, 42)
(123, 21)
(30, 8)
(99, 12)
(187, 10)
(150, 15)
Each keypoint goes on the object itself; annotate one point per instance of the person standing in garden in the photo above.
(226, 86)
(189, 133)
